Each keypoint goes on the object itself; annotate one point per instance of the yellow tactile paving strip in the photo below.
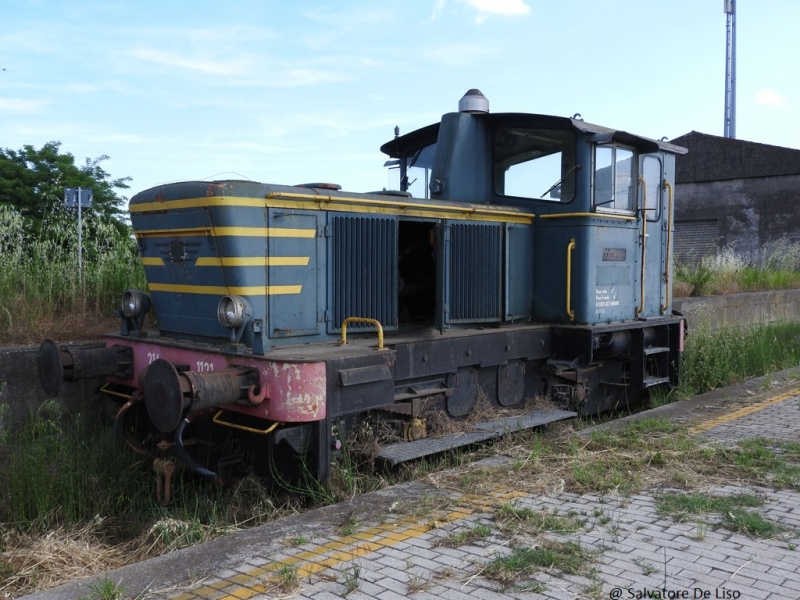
(256, 581)
(742, 412)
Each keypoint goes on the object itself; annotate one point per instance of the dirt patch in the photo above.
(61, 328)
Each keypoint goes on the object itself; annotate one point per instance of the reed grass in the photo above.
(42, 290)
(716, 358)
(775, 267)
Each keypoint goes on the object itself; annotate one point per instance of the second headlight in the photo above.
(232, 311)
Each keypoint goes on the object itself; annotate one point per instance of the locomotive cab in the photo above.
(601, 198)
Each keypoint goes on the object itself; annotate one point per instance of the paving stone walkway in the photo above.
(380, 551)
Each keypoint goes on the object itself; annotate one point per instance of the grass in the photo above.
(647, 567)
(680, 505)
(732, 511)
(525, 561)
(287, 580)
(515, 519)
(717, 358)
(105, 589)
(530, 536)
(775, 267)
(648, 453)
(42, 291)
(351, 579)
(417, 583)
(73, 503)
(466, 537)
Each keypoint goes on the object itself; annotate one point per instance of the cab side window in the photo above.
(534, 163)
(614, 179)
(651, 187)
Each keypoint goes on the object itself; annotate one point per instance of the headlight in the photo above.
(135, 303)
(232, 311)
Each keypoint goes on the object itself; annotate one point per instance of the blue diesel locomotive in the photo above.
(522, 256)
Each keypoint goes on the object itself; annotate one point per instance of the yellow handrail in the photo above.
(107, 390)
(667, 300)
(570, 248)
(400, 204)
(362, 320)
(266, 431)
(597, 215)
(640, 309)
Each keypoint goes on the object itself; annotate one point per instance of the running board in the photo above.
(651, 381)
(403, 451)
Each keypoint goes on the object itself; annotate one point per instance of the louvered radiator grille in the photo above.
(363, 270)
(475, 272)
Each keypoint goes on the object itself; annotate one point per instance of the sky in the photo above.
(306, 91)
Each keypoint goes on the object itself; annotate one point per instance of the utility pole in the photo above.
(730, 69)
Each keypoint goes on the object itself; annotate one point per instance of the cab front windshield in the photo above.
(535, 163)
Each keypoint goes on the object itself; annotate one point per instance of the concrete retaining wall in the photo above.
(738, 310)
(20, 394)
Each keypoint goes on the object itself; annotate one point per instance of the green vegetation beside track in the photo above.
(66, 480)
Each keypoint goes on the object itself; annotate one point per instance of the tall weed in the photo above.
(716, 358)
(40, 281)
(774, 267)
(59, 470)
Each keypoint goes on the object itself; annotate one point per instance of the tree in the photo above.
(33, 181)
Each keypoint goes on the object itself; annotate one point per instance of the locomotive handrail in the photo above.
(107, 390)
(326, 198)
(266, 431)
(570, 248)
(362, 320)
(667, 297)
(640, 309)
(587, 214)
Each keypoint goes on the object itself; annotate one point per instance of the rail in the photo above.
(400, 204)
(570, 248)
(362, 320)
(640, 309)
(218, 420)
(667, 297)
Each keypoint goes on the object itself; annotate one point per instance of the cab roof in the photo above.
(406, 144)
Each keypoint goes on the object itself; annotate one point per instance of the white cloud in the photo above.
(501, 7)
(16, 105)
(769, 97)
(486, 8)
(438, 8)
(203, 64)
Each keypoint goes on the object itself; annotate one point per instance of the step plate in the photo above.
(403, 451)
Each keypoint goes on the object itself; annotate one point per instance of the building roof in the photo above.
(714, 158)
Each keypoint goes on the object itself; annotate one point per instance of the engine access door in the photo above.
(470, 273)
(294, 277)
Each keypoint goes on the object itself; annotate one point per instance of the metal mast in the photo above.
(730, 69)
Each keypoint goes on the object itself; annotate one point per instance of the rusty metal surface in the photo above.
(50, 366)
(292, 391)
(57, 364)
(163, 395)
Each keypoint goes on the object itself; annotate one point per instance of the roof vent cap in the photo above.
(473, 102)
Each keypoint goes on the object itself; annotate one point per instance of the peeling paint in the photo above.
(293, 392)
